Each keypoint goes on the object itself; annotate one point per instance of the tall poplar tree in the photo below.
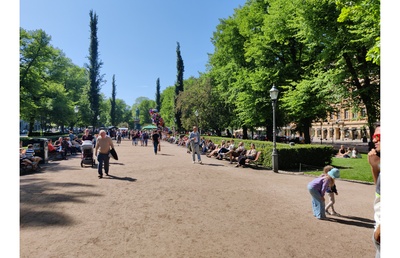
(112, 101)
(178, 85)
(95, 79)
(158, 95)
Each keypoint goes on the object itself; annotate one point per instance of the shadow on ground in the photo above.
(353, 221)
(35, 193)
(129, 179)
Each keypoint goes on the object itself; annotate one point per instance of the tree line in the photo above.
(317, 53)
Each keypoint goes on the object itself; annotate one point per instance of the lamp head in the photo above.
(274, 93)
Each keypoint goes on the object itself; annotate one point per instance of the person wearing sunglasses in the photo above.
(374, 161)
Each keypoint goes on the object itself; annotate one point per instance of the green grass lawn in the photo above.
(351, 169)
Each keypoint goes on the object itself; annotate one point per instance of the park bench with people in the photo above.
(249, 162)
(254, 162)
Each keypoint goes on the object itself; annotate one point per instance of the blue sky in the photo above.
(137, 39)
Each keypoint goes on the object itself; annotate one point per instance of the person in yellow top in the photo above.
(103, 145)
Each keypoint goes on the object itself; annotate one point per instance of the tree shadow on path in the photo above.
(39, 199)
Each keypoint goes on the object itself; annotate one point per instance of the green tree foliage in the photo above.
(35, 55)
(58, 105)
(363, 22)
(318, 53)
(158, 95)
(178, 85)
(136, 105)
(144, 108)
(199, 95)
(122, 112)
(346, 35)
(112, 101)
(50, 84)
(95, 78)
(167, 110)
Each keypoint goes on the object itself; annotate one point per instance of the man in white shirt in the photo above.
(194, 138)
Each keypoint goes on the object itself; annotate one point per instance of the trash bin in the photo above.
(41, 148)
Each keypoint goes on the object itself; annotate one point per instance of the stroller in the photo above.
(87, 154)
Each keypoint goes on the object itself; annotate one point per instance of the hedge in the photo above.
(289, 157)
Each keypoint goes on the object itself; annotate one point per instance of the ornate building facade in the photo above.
(345, 125)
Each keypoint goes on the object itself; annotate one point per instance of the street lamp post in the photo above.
(320, 133)
(332, 131)
(76, 110)
(274, 97)
(196, 113)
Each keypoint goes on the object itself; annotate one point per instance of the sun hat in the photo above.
(334, 173)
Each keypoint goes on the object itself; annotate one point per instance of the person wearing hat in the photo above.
(317, 189)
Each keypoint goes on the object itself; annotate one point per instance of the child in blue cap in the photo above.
(317, 189)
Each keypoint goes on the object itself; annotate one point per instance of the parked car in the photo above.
(281, 139)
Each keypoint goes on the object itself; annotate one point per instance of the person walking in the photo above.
(194, 137)
(87, 136)
(155, 137)
(317, 189)
(145, 138)
(159, 139)
(103, 146)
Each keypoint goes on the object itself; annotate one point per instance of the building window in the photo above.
(363, 112)
(346, 114)
(355, 115)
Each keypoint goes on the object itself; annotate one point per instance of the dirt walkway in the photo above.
(165, 206)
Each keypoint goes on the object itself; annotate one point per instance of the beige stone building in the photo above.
(345, 125)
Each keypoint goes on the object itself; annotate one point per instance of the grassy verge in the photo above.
(351, 169)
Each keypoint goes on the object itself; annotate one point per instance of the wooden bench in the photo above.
(254, 162)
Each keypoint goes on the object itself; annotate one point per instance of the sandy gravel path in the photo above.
(165, 206)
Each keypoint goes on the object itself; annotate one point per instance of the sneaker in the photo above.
(100, 176)
(327, 212)
(106, 173)
(201, 163)
(194, 162)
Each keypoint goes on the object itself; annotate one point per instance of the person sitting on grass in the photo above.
(355, 154)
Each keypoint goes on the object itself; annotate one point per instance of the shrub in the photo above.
(289, 157)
